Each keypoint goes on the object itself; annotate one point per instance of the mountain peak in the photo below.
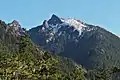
(2, 22)
(77, 24)
(58, 23)
(54, 16)
(54, 20)
(15, 23)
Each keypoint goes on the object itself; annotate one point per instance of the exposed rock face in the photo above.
(16, 28)
(86, 44)
(10, 33)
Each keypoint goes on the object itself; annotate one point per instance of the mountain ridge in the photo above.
(60, 36)
(93, 47)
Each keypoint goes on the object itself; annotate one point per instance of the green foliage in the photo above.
(31, 63)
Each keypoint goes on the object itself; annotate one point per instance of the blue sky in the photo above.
(30, 13)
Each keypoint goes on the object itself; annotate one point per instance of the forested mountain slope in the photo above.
(20, 59)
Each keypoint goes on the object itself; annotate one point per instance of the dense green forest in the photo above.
(31, 63)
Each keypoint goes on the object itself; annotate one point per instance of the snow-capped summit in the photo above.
(56, 23)
(59, 27)
(78, 25)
